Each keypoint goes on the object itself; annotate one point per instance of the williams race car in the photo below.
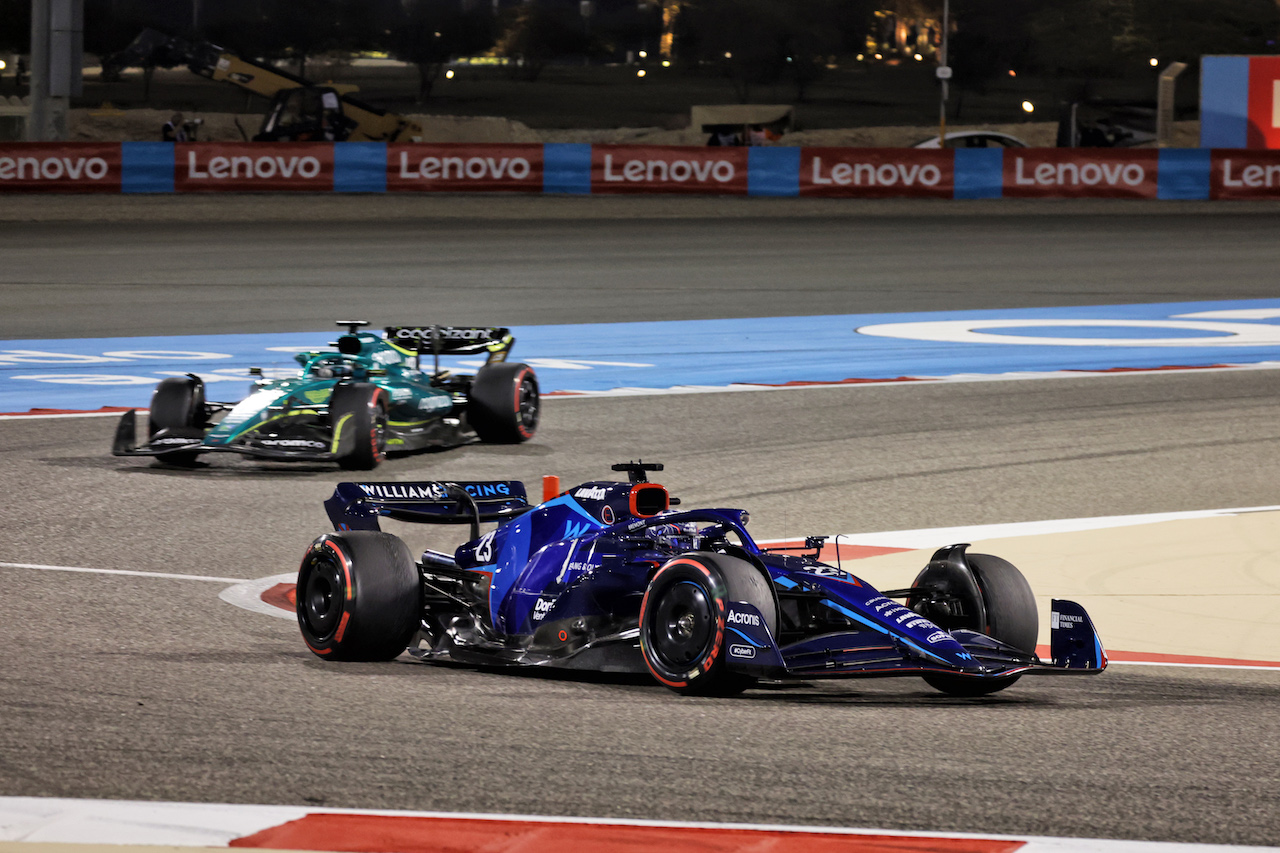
(351, 406)
(608, 577)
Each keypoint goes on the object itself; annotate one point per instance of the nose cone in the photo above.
(245, 415)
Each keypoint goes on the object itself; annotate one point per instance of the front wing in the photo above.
(1075, 650)
(166, 442)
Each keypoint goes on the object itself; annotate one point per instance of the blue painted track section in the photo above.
(90, 373)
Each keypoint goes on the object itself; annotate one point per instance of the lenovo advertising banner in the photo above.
(60, 166)
(668, 169)
(1240, 174)
(877, 172)
(1264, 102)
(253, 166)
(1080, 172)
(464, 167)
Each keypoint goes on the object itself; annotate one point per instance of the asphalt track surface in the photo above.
(123, 686)
(117, 266)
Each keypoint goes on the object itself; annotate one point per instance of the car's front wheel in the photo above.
(178, 406)
(1009, 609)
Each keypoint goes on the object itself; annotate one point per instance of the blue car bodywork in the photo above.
(608, 576)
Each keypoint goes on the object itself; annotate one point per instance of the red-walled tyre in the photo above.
(682, 621)
(503, 406)
(360, 409)
(359, 596)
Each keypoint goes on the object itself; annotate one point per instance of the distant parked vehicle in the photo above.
(975, 139)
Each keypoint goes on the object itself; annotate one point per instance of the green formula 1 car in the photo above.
(351, 406)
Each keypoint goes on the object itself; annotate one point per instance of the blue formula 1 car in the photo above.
(351, 405)
(608, 577)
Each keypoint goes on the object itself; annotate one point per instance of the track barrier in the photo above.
(569, 168)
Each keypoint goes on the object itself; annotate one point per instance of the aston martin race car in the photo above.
(350, 406)
(609, 577)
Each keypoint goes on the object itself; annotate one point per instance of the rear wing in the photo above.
(356, 506)
(452, 340)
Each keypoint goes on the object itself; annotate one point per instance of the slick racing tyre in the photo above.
(359, 597)
(503, 405)
(359, 410)
(682, 621)
(178, 405)
(1009, 606)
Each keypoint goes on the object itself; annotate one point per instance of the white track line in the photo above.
(178, 577)
(934, 537)
(908, 380)
(1112, 662)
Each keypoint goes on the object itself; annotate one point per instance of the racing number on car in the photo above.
(484, 550)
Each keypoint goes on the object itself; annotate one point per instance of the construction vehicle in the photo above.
(300, 110)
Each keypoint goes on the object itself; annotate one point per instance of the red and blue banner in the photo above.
(253, 167)
(1240, 102)
(375, 167)
(79, 167)
(463, 167)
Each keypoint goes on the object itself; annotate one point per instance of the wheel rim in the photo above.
(683, 626)
(528, 407)
(321, 598)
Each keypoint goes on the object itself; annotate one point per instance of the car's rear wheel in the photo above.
(503, 406)
(178, 406)
(682, 621)
(359, 597)
(1008, 605)
(359, 410)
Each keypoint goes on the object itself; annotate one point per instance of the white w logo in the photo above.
(573, 530)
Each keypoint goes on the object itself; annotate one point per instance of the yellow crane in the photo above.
(299, 110)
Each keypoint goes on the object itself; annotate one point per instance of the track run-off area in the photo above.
(868, 349)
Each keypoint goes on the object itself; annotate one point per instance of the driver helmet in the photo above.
(674, 535)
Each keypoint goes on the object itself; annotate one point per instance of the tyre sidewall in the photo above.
(1011, 606)
(700, 572)
(494, 403)
(723, 579)
(367, 407)
(177, 403)
(379, 601)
